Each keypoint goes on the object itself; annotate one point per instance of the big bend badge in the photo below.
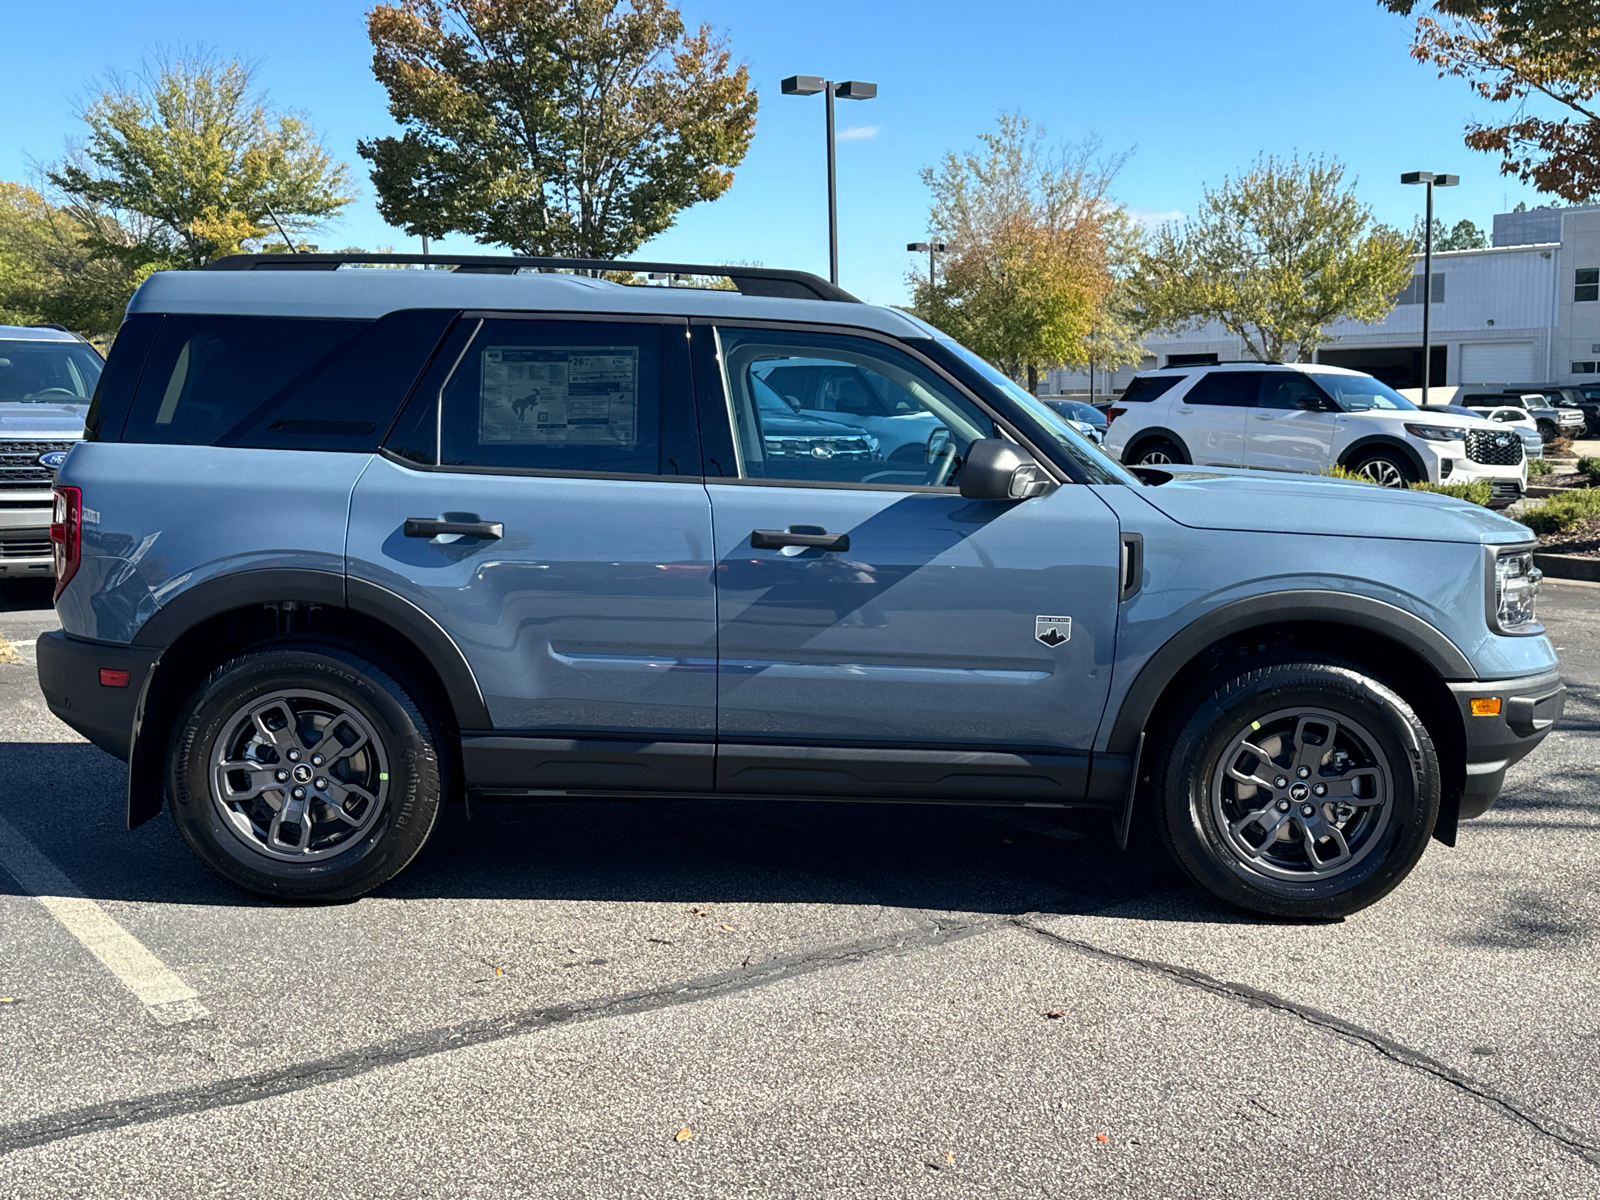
(1052, 631)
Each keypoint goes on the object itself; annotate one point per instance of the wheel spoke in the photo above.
(1315, 830)
(1270, 820)
(1310, 754)
(262, 778)
(1262, 757)
(281, 740)
(1342, 788)
(329, 738)
(297, 815)
(342, 797)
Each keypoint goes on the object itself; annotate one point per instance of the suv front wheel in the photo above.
(1385, 467)
(305, 772)
(1302, 789)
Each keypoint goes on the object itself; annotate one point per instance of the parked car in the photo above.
(1306, 417)
(1518, 418)
(898, 427)
(453, 533)
(1551, 421)
(1567, 396)
(1085, 418)
(47, 377)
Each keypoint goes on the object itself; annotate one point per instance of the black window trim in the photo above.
(1050, 465)
(476, 317)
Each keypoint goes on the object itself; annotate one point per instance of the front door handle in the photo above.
(427, 527)
(777, 539)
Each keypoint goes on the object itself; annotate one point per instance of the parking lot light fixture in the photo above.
(932, 248)
(1432, 181)
(850, 89)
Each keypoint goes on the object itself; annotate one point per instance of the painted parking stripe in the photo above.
(166, 997)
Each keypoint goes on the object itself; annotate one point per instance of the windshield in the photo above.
(1361, 393)
(1077, 410)
(48, 372)
(1101, 468)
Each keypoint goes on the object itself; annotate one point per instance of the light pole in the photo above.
(1432, 180)
(850, 89)
(932, 248)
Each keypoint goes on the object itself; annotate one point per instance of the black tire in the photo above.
(1548, 431)
(394, 782)
(1157, 452)
(1389, 468)
(1200, 806)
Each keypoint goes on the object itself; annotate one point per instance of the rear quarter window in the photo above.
(1149, 387)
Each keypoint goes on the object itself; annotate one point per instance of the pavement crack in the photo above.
(1569, 1138)
(142, 1110)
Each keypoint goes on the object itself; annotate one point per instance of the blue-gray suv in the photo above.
(351, 538)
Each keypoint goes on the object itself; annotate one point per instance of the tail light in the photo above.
(1113, 413)
(66, 534)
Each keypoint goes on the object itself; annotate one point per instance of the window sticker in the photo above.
(568, 396)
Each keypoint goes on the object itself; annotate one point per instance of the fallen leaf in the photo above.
(729, 928)
(8, 999)
(1055, 1014)
(498, 971)
(1100, 1137)
(950, 1157)
(683, 1135)
(1008, 841)
(697, 912)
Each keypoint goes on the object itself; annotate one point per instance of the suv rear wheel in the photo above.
(1386, 467)
(1302, 789)
(305, 772)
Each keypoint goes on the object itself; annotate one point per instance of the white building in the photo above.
(1525, 312)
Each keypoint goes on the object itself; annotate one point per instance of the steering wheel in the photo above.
(55, 391)
(945, 465)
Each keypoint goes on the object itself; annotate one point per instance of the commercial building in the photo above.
(1525, 311)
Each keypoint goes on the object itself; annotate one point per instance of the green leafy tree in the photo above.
(554, 127)
(1274, 255)
(1027, 274)
(189, 154)
(1543, 51)
(49, 270)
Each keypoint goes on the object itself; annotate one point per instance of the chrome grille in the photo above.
(1493, 448)
(19, 463)
(32, 548)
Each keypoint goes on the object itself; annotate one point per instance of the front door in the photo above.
(878, 633)
(1292, 427)
(542, 504)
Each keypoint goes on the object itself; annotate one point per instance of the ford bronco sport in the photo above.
(345, 544)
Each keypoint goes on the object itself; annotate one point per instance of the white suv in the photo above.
(1305, 417)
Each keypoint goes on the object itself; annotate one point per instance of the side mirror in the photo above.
(1313, 404)
(997, 470)
(938, 443)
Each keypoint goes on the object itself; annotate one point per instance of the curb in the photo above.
(1568, 566)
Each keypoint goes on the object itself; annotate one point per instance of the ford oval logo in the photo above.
(52, 459)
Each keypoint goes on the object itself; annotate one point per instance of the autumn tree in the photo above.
(1274, 255)
(554, 127)
(191, 151)
(49, 268)
(1539, 57)
(1027, 269)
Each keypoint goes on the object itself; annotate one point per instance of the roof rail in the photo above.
(751, 281)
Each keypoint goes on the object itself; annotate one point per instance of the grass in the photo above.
(1565, 511)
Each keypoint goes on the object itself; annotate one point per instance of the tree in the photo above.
(1511, 53)
(1465, 235)
(1274, 255)
(1026, 273)
(1115, 338)
(48, 269)
(190, 148)
(554, 127)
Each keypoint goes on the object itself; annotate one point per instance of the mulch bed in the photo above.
(1569, 480)
(1582, 540)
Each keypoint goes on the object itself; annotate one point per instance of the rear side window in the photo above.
(1148, 387)
(1232, 389)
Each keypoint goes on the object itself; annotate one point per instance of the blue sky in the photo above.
(1196, 91)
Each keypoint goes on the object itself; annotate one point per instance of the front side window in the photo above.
(829, 408)
(1362, 393)
(45, 372)
(581, 396)
(1288, 390)
(1586, 286)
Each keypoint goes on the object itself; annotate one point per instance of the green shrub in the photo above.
(1478, 492)
(1345, 473)
(1538, 468)
(1564, 511)
(1590, 466)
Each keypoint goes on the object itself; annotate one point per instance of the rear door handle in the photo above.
(777, 539)
(427, 527)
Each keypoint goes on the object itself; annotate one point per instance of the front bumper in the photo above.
(25, 536)
(1529, 707)
(69, 676)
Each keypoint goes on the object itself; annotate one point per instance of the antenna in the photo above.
(279, 224)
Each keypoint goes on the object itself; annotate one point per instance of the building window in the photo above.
(1583, 368)
(1413, 290)
(1587, 286)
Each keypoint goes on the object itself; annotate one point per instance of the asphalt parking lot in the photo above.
(720, 1000)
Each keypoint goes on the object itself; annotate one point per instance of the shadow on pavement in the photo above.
(67, 799)
(26, 595)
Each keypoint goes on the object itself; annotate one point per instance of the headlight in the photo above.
(1514, 593)
(1437, 433)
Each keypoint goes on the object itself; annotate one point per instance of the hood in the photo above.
(1426, 416)
(1266, 502)
(798, 426)
(33, 420)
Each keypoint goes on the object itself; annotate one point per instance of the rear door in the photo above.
(880, 634)
(541, 500)
(1293, 426)
(1210, 416)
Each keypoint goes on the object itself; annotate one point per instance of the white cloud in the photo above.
(858, 133)
(1151, 217)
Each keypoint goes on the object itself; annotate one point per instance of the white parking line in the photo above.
(166, 997)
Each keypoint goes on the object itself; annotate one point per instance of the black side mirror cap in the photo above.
(997, 470)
